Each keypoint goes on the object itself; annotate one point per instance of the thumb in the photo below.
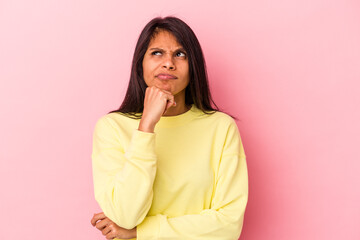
(169, 104)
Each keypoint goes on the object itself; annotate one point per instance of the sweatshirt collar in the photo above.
(177, 120)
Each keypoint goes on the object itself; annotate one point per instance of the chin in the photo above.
(164, 87)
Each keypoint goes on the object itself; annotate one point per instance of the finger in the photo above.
(110, 236)
(170, 102)
(103, 223)
(97, 217)
(168, 105)
(106, 231)
(161, 90)
(165, 91)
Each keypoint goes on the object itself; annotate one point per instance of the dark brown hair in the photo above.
(197, 92)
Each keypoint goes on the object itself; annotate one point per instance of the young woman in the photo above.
(167, 164)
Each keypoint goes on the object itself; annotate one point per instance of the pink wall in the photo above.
(289, 70)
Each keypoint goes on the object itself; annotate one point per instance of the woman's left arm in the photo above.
(110, 229)
(224, 219)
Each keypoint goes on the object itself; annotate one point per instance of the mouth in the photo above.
(164, 76)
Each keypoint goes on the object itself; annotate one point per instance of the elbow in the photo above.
(125, 217)
(132, 220)
(236, 226)
(233, 231)
(128, 225)
(123, 220)
(127, 221)
(232, 223)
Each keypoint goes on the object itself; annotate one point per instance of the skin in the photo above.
(110, 229)
(162, 98)
(164, 55)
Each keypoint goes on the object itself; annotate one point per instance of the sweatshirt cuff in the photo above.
(149, 228)
(142, 145)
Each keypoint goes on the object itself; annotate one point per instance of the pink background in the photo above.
(290, 70)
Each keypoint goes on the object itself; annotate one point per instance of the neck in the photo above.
(177, 110)
(180, 108)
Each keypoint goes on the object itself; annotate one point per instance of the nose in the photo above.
(168, 62)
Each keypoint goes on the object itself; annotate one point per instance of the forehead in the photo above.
(164, 39)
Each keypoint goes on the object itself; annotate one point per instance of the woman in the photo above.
(166, 164)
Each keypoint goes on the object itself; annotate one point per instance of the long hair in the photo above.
(197, 92)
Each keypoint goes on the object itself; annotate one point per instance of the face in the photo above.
(165, 64)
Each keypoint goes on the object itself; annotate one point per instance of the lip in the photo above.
(165, 76)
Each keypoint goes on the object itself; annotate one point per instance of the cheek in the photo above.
(146, 70)
(186, 67)
(186, 73)
(183, 68)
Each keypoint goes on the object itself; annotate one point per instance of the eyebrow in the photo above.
(179, 49)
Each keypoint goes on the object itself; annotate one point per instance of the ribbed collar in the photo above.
(178, 120)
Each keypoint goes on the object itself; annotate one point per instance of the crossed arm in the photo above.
(125, 218)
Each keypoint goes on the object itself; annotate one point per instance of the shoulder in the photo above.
(114, 121)
(223, 117)
(231, 134)
(218, 118)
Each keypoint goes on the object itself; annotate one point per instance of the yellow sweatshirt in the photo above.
(187, 180)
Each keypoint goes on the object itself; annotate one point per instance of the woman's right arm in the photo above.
(156, 103)
(123, 178)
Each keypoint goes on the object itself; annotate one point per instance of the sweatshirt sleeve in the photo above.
(123, 178)
(224, 219)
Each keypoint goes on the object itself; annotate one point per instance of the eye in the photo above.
(156, 53)
(180, 54)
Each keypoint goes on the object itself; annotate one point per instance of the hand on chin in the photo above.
(164, 86)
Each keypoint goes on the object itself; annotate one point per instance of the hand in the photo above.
(157, 101)
(110, 229)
